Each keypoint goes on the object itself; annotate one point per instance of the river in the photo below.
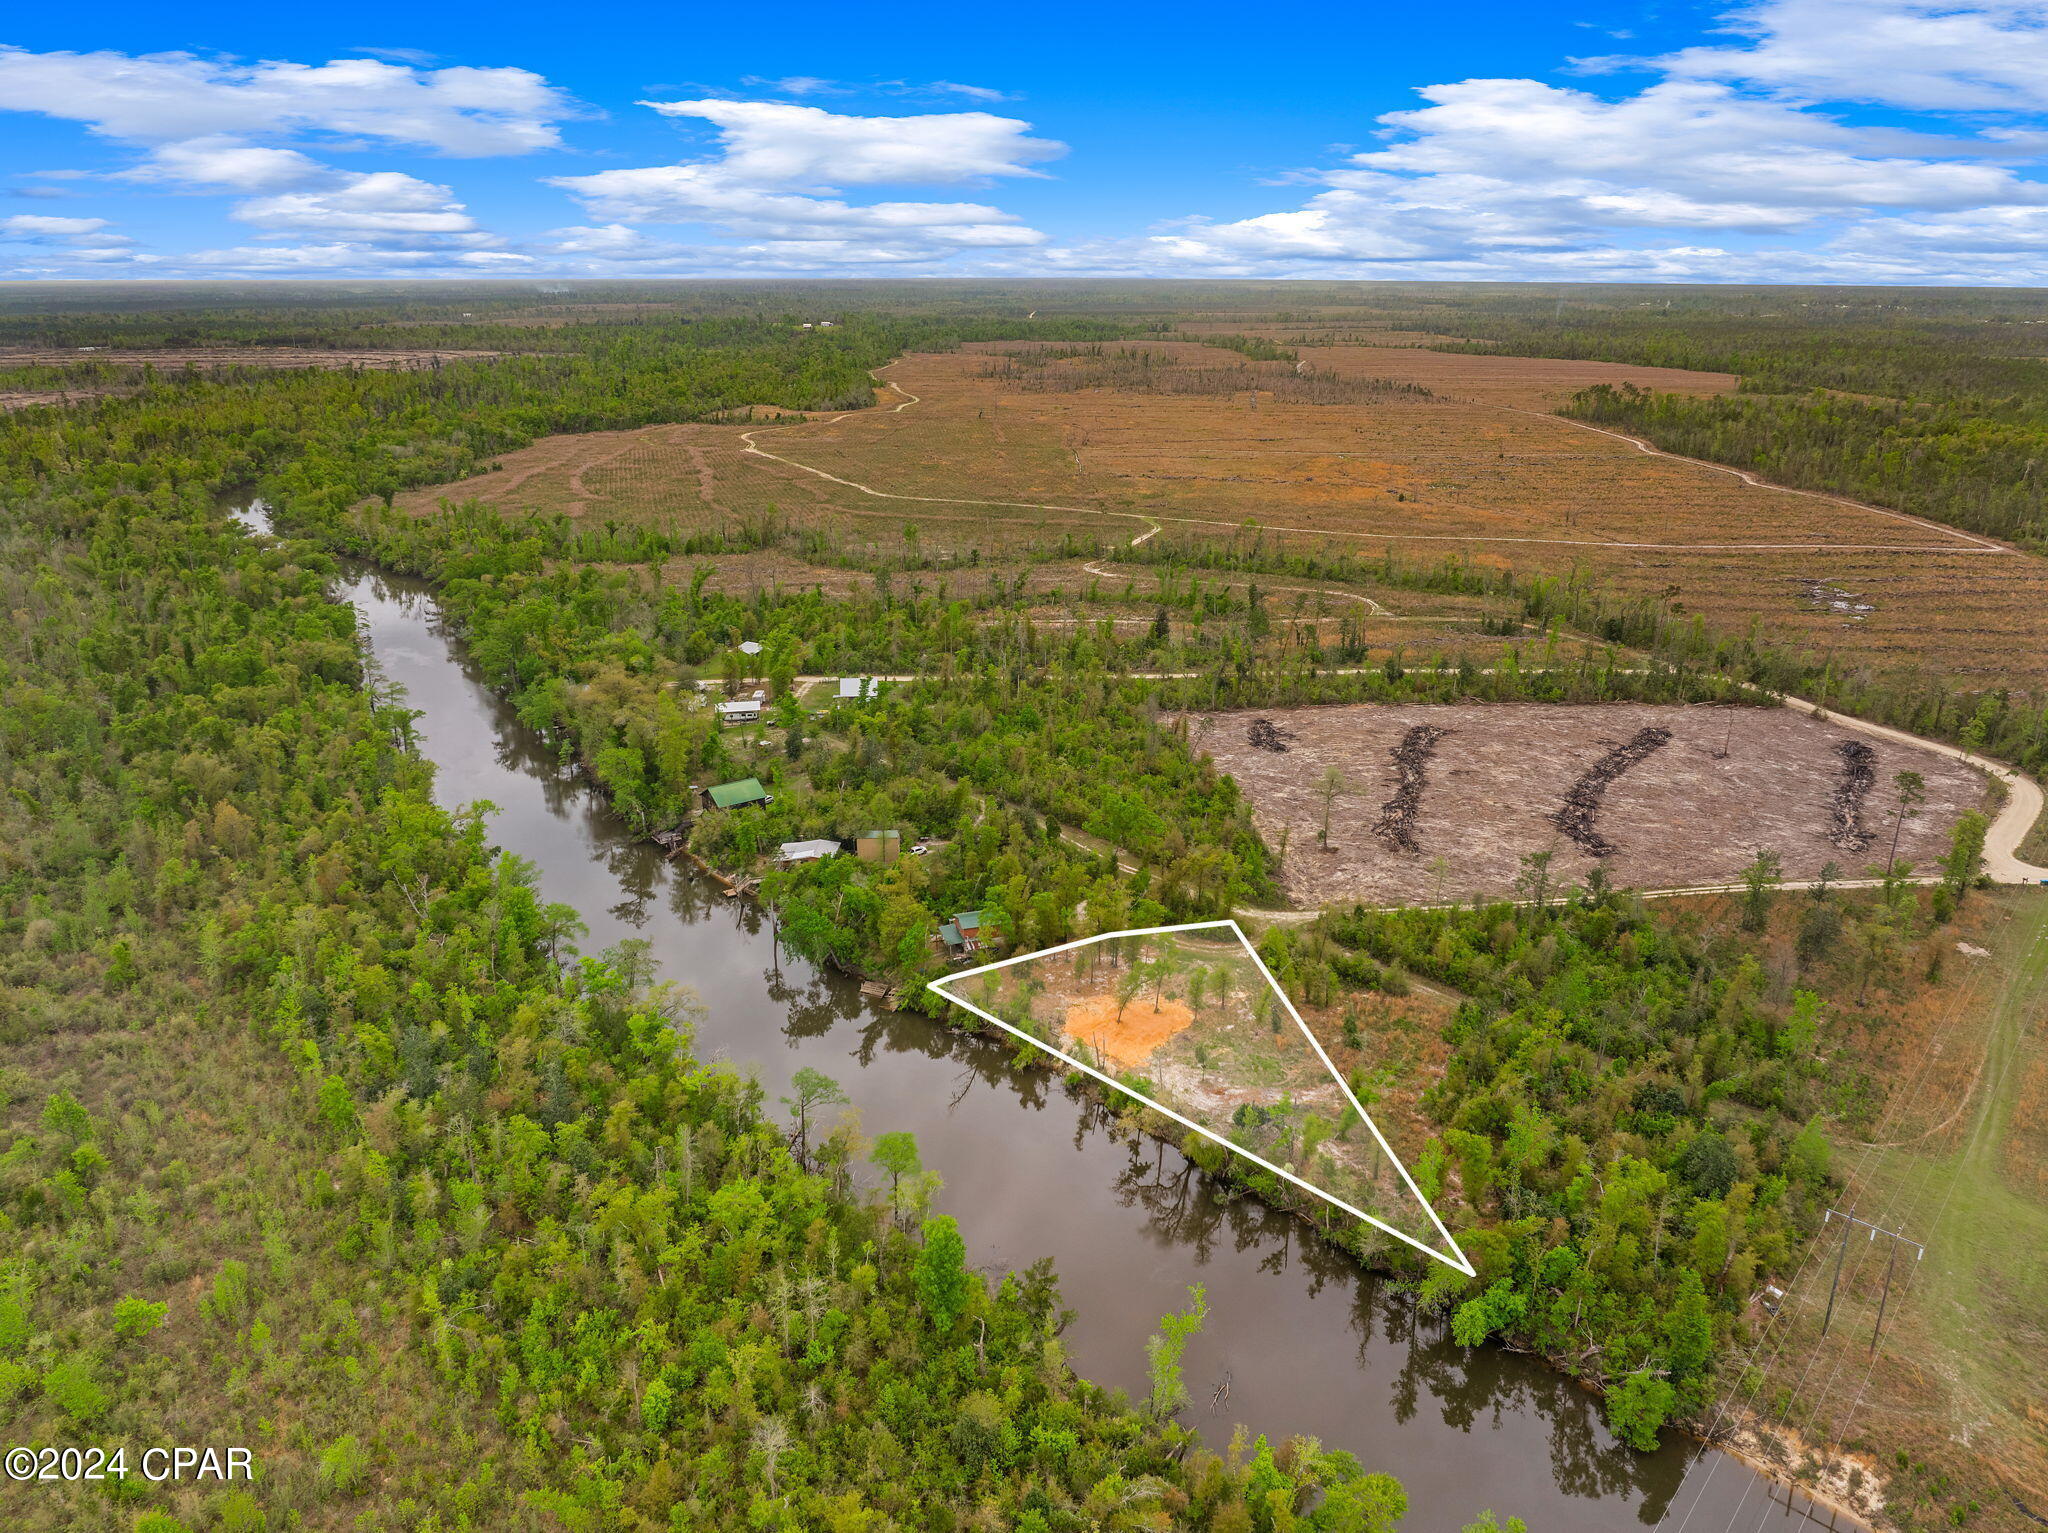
(1298, 1340)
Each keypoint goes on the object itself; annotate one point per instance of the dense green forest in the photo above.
(318, 1137)
(1631, 1114)
(513, 1159)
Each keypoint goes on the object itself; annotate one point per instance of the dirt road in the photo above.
(2023, 801)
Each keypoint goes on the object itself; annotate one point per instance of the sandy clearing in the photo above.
(1687, 815)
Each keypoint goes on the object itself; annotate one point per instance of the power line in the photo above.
(1757, 1374)
(1901, 1192)
(1850, 1222)
(1993, 1085)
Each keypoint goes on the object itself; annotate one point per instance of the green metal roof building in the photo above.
(962, 934)
(730, 795)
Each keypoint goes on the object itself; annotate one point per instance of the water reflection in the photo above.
(1298, 1339)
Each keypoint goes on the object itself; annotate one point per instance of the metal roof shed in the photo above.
(730, 795)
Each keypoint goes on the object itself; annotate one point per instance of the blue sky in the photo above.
(1864, 141)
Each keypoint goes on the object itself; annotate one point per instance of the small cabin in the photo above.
(807, 851)
(962, 935)
(854, 689)
(736, 795)
(742, 710)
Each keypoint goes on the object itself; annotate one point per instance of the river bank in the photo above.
(1849, 1487)
(1299, 1339)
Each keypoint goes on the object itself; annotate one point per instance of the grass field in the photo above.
(1480, 470)
(1951, 1398)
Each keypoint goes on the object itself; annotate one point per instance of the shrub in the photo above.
(136, 1318)
(344, 1466)
(14, 1378)
(229, 1300)
(71, 1387)
(657, 1407)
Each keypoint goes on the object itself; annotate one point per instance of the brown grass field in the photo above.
(1685, 815)
(1481, 471)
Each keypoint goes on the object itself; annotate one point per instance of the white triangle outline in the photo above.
(1460, 1264)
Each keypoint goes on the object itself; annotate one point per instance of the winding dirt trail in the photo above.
(1979, 545)
(1094, 568)
(2024, 800)
(1969, 544)
(2015, 817)
(909, 399)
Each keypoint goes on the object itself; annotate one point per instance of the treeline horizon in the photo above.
(585, 636)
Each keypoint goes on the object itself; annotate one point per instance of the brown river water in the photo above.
(1298, 1339)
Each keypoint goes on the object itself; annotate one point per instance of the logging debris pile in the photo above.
(1410, 755)
(1581, 805)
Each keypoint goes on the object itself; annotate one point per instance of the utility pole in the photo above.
(1884, 1298)
(1891, 1262)
(1834, 1283)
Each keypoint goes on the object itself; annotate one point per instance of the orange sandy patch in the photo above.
(1128, 1043)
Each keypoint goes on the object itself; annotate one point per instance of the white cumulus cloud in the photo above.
(779, 143)
(775, 178)
(221, 160)
(1924, 55)
(700, 194)
(1695, 144)
(377, 204)
(206, 125)
(165, 97)
(1511, 178)
(38, 226)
